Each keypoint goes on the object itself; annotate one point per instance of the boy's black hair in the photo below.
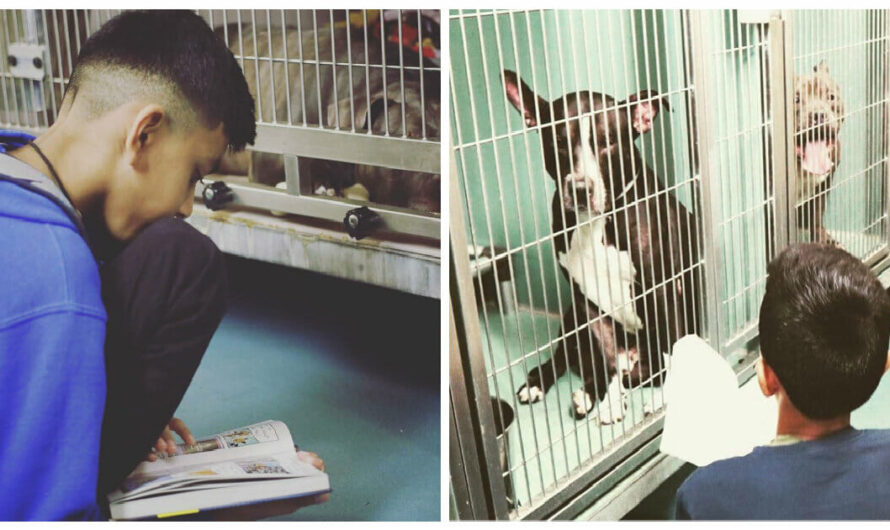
(824, 329)
(178, 47)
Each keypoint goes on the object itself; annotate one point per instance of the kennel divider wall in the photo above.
(725, 150)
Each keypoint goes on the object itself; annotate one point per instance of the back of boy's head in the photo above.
(173, 58)
(824, 329)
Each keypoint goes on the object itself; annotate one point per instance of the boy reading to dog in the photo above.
(824, 332)
(109, 299)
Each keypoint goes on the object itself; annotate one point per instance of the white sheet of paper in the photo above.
(707, 416)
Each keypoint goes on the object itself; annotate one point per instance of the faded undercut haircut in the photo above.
(824, 329)
(172, 58)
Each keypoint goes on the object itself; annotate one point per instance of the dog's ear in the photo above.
(522, 97)
(645, 106)
(821, 67)
(358, 111)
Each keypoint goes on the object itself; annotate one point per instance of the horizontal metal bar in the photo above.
(346, 146)
(263, 197)
(578, 482)
(623, 488)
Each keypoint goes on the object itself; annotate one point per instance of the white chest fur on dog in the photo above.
(604, 273)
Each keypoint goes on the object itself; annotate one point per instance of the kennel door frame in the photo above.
(467, 380)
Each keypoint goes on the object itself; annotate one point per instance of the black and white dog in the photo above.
(622, 240)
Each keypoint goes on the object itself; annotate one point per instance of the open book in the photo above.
(247, 465)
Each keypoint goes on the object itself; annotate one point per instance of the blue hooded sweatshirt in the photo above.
(52, 362)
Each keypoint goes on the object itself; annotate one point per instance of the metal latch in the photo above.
(27, 61)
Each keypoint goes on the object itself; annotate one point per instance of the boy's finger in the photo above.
(312, 459)
(182, 430)
(171, 442)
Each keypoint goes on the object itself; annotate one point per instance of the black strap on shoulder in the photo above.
(33, 180)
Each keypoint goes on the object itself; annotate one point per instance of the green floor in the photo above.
(546, 442)
(352, 369)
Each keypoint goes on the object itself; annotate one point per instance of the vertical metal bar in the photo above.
(318, 95)
(786, 207)
(701, 52)
(885, 54)
(402, 71)
(464, 300)
(49, 66)
(304, 109)
(271, 66)
(385, 67)
(292, 174)
(289, 97)
(334, 68)
(349, 71)
(256, 65)
(420, 72)
(368, 68)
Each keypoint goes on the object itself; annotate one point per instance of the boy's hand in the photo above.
(166, 443)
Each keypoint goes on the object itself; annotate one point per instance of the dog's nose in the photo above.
(818, 117)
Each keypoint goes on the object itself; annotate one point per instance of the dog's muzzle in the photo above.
(583, 194)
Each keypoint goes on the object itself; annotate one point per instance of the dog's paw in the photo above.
(581, 403)
(611, 409)
(530, 394)
(611, 412)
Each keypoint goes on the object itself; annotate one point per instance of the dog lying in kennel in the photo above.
(620, 239)
(366, 99)
(818, 116)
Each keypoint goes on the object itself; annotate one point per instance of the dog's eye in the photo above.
(797, 97)
(830, 97)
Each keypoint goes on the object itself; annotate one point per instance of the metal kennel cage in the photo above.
(726, 149)
(343, 98)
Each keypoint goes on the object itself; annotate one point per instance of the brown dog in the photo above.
(818, 115)
(366, 98)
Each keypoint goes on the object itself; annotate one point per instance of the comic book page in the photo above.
(209, 476)
(264, 438)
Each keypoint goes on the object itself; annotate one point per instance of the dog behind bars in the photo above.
(626, 244)
(364, 97)
(818, 116)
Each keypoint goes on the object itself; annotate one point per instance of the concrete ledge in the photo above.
(412, 266)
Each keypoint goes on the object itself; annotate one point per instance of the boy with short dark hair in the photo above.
(109, 299)
(824, 334)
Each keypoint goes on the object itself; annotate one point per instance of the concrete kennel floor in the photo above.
(352, 369)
